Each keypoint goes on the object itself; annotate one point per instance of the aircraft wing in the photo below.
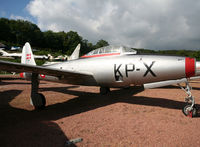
(164, 83)
(72, 77)
(194, 78)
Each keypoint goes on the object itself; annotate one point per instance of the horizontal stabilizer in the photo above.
(194, 78)
(4, 53)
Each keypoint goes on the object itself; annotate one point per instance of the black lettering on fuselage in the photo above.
(117, 72)
(128, 68)
(149, 69)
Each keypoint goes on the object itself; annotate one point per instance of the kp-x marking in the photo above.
(130, 68)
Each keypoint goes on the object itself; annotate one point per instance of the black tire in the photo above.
(193, 113)
(104, 90)
(39, 101)
(43, 104)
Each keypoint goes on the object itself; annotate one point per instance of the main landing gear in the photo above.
(104, 90)
(37, 99)
(190, 109)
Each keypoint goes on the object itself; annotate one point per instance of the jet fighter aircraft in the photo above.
(19, 55)
(106, 67)
(74, 55)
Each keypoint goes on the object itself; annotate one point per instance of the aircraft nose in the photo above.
(197, 68)
(189, 67)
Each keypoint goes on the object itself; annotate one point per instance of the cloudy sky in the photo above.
(153, 24)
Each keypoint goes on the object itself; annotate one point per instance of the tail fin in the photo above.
(4, 53)
(50, 57)
(27, 55)
(75, 54)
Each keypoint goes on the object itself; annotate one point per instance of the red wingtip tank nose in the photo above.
(21, 75)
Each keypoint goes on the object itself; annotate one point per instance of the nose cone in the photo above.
(21, 75)
(197, 68)
(190, 67)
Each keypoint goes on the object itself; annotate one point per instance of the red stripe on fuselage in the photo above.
(189, 67)
(100, 55)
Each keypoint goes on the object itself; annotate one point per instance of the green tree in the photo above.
(86, 47)
(17, 32)
(71, 41)
(5, 31)
(101, 43)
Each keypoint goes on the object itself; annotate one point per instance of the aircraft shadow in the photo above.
(24, 128)
(21, 127)
(86, 101)
(9, 78)
(10, 83)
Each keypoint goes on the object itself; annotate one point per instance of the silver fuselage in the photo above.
(125, 70)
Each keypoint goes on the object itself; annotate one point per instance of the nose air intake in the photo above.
(198, 68)
(192, 67)
(189, 67)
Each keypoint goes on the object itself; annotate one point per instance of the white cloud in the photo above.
(155, 24)
(12, 16)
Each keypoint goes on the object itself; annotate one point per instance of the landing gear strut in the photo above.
(37, 99)
(190, 109)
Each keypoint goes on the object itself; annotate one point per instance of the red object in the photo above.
(21, 75)
(28, 56)
(42, 76)
(189, 67)
(190, 114)
(100, 55)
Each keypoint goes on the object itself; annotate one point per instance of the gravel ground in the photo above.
(125, 117)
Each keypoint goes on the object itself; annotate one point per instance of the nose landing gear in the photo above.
(190, 109)
(190, 112)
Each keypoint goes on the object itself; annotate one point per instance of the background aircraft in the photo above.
(14, 48)
(111, 66)
(19, 55)
(74, 55)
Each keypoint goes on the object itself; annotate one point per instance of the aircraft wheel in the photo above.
(39, 101)
(104, 90)
(189, 113)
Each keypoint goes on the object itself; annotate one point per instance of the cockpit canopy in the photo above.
(110, 50)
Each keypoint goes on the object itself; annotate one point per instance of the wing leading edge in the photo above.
(71, 77)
